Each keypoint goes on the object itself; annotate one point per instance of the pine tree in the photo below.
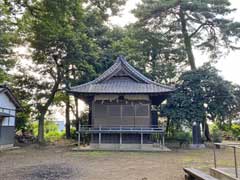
(195, 24)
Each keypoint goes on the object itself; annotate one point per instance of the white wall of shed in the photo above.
(7, 106)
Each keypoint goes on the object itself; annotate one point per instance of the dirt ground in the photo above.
(59, 162)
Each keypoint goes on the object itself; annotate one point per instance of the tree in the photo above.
(195, 24)
(56, 33)
(61, 47)
(150, 52)
(202, 95)
(7, 39)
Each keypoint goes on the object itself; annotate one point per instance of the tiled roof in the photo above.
(121, 77)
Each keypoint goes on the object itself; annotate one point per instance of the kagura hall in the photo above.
(122, 113)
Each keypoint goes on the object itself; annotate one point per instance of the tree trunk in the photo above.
(206, 132)
(187, 40)
(43, 113)
(76, 113)
(67, 114)
(41, 117)
(44, 108)
(167, 126)
(41, 127)
(191, 59)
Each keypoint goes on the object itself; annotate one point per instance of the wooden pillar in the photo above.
(160, 140)
(120, 140)
(235, 161)
(163, 141)
(79, 134)
(99, 136)
(214, 156)
(90, 113)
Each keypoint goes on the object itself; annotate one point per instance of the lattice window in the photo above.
(142, 110)
(114, 110)
(128, 110)
(100, 110)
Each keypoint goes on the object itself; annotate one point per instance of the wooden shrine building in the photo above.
(121, 104)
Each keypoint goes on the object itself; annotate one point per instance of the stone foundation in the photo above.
(6, 146)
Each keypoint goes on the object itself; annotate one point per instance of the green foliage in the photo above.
(51, 132)
(235, 128)
(200, 96)
(63, 36)
(182, 137)
(7, 39)
(155, 137)
(71, 45)
(105, 8)
(73, 133)
(226, 131)
(3, 76)
(148, 51)
(227, 135)
(217, 134)
(23, 118)
(53, 136)
(202, 25)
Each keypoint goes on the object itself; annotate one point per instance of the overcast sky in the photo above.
(229, 65)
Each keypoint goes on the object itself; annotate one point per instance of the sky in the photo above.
(229, 65)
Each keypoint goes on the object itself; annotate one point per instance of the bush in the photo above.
(181, 137)
(155, 137)
(216, 133)
(235, 128)
(217, 136)
(225, 132)
(53, 136)
(228, 135)
(51, 132)
(184, 136)
(73, 133)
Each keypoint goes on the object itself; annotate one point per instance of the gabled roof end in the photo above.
(5, 89)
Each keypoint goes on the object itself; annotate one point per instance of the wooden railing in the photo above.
(124, 129)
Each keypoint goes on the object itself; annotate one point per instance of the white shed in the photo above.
(8, 107)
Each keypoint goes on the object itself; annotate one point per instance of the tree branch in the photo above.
(197, 30)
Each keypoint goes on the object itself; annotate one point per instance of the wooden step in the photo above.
(194, 174)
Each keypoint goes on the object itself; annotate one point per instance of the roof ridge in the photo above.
(146, 79)
(121, 62)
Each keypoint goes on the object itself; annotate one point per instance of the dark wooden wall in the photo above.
(134, 113)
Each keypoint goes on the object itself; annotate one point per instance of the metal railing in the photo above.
(234, 147)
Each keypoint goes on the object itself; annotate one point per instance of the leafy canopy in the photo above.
(202, 95)
(7, 39)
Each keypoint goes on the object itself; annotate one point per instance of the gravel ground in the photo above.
(59, 162)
